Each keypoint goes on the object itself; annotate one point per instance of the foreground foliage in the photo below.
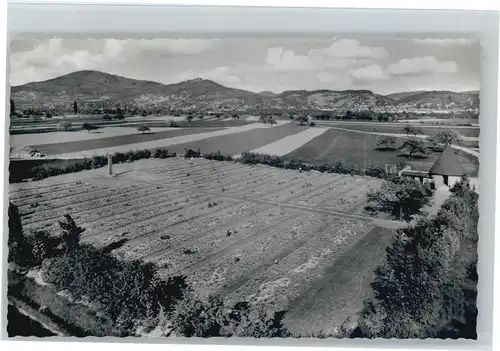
(131, 293)
(427, 287)
(401, 197)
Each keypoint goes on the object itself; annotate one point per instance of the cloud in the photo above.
(339, 55)
(349, 48)
(445, 41)
(419, 66)
(371, 72)
(286, 60)
(169, 46)
(325, 77)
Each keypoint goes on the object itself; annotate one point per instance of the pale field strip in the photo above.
(292, 276)
(257, 248)
(289, 143)
(146, 228)
(23, 140)
(164, 142)
(177, 164)
(188, 233)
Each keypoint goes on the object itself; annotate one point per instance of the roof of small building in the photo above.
(414, 173)
(447, 164)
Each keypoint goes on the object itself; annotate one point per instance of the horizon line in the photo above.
(251, 91)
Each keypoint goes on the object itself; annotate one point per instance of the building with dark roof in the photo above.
(447, 170)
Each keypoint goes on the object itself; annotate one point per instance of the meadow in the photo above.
(256, 233)
(361, 149)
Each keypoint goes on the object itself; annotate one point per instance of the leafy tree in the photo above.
(302, 120)
(401, 197)
(48, 114)
(16, 240)
(143, 128)
(271, 121)
(66, 126)
(412, 130)
(75, 107)
(312, 124)
(70, 232)
(412, 146)
(189, 118)
(427, 286)
(449, 137)
(195, 318)
(88, 127)
(388, 143)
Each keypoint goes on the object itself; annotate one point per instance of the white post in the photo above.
(110, 165)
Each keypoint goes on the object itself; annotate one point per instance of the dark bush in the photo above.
(163, 153)
(218, 156)
(191, 153)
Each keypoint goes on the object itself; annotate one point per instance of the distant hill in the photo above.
(469, 99)
(88, 86)
(331, 99)
(267, 94)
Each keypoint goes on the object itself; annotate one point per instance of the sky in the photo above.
(382, 65)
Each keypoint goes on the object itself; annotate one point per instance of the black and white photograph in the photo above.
(244, 187)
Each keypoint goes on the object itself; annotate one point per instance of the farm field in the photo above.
(360, 149)
(256, 233)
(229, 141)
(113, 135)
(398, 128)
(118, 140)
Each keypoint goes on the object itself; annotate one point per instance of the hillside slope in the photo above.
(93, 86)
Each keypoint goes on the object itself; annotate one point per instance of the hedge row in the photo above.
(22, 170)
(19, 172)
(286, 163)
